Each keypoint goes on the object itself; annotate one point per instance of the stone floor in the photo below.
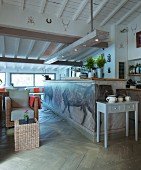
(64, 148)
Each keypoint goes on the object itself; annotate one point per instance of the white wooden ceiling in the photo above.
(105, 12)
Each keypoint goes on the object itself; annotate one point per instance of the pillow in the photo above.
(19, 98)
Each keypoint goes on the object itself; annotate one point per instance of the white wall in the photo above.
(110, 50)
(121, 48)
(133, 27)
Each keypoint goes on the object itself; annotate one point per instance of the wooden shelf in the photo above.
(134, 74)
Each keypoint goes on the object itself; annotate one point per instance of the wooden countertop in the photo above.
(133, 89)
(87, 79)
(108, 79)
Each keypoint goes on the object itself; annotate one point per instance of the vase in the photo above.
(90, 74)
(100, 72)
(26, 119)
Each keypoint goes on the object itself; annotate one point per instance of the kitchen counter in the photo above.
(75, 101)
(133, 89)
(99, 79)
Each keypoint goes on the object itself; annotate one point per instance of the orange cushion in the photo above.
(2, 89)
(36, 90)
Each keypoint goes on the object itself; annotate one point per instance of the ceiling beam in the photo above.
(2, 42)
(113, 12)
(85, 55)
(32, 43)
(80, 9)
(17, 44)
(22, 4)
(88, 39)
(42, 7)
(50, 50)
(69, 63)
(64, 3)
(44, 49)
(37, 35)
(19, 60)
(99, 8)
(74, 55)
(129, 13)
(58, 47)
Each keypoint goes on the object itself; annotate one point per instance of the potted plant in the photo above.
(26, 117)
(100, 61)
(90, 65)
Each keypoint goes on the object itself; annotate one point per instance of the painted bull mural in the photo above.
(81, 97)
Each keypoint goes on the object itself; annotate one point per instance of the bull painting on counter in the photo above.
(77, 105)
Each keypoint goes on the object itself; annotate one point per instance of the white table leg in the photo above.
(98, 125)
(136, 123)
(105, 129)
(127, 123)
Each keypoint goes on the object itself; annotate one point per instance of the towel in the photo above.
(31, 101)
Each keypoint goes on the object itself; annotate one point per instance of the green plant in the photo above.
(90, 62)
(100, 61)
(26, 113)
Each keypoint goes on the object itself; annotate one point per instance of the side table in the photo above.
(107, 108)
(26, 135)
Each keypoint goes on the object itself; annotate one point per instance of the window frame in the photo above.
(33, 78)
(5, 77)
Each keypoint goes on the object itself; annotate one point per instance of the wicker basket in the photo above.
(26, 135)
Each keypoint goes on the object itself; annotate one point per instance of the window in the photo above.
(22, 80)
(2, 77)
(39, 80)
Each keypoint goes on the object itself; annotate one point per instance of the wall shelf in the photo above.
(134, 74)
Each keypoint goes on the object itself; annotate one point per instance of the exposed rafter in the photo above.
(44, 49)
(64, 3)
(2, 42)
(88, 40)
(100, 7)
(58, 47)
(19, 60)
(32, 43)
(69, 63)
(75, 56)
(50, 50)
(17, 44)
(129, 13)
(37, 35)
(80, 9)
(22, 4)
(42, 7)
(113, 12)
(85, 55)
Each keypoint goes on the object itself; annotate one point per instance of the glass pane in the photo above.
(39, 80)
(22, 80)
(2, 78)
(52, 76)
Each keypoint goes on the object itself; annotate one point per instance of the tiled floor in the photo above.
(64, 148)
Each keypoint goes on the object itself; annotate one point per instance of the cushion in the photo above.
(2, 89)
(36, 89)
(19, 98)
(18, 113)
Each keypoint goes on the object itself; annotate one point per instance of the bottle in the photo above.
(133, 70)
(137, 69)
